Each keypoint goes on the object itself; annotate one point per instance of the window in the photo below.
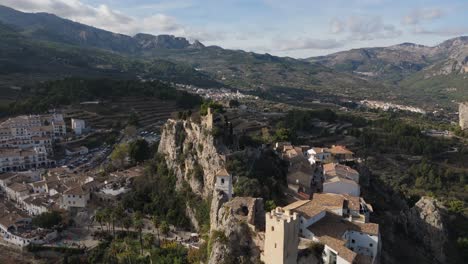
(371, 245)
(352, 241)
(222, 181)
(275, 245)
(332, 258)
(272, 228)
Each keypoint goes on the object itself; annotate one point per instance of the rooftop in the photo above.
(340, 150)
(331, 229)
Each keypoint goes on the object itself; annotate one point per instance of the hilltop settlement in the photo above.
(205, 185)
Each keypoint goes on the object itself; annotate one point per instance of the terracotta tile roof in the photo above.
(340, 150)
(18, 187)
(330, 230)
(335, 169)
(319, 203)
(77, 190)
(222, 173)
(7, 175)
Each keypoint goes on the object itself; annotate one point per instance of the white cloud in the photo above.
(447, 31)
(305, 44)
(104, 17)
(417, 16)
(364, 28)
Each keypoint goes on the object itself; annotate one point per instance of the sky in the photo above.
(295, 28)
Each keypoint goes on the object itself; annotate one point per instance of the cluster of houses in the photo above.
(327, 210)
(26, 142)
(32, 193)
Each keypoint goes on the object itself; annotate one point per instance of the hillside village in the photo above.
(323, 219)
(321, 188)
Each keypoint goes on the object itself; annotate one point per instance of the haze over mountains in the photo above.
(59, 47)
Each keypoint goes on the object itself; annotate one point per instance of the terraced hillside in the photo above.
(151, 112)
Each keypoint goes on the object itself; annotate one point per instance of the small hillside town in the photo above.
(386, 106)
(327, 210)
(215, 94)
(26, 141)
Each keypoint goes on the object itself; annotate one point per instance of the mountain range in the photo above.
(43, 46)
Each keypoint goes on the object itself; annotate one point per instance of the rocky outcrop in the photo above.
(191, 153)
(148, 42)
(234, 238)
(426, 222)
(463, 115)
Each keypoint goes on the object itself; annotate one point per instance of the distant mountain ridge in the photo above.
(394, 63)
(236, 68)
(50, 27)
(408, 72)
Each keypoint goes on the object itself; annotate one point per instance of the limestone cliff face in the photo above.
(191, 153)
(234, 238)
(426, 222)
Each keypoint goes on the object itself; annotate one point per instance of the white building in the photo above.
(75, 197)
(78, 126)
(340, 179)
(340, 222)
(23, 159)
(341, 186)
(319, 155)
(281, 237)
(224, 182)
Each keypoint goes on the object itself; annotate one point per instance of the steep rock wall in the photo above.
(426, 222)
(232, 239)
(188, 147)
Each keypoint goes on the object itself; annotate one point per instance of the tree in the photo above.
(100, 217)
(127, 223)
(108, 217)
(133, 119)
(138, 225)
(247, 187)
(270, 205)
(165, 228)
(47, 219)
(148, 240)
(282, 134)
(456, 206)
(130, 131)
(156, 224)
(139, 150)
(120, 154)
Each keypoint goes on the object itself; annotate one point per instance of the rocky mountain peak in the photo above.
(148, 41)
(197, 45)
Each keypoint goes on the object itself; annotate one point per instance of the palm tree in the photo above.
(107, 217)
(127, 223)
(119, 213)
(112, 219)
(165, 228)
(138, 225)
(99, 217)
(148, 240)
(156, 223)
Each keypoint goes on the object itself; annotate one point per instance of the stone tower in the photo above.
(463, 115)
(281, 237)
(224, 183)
(209, 119)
